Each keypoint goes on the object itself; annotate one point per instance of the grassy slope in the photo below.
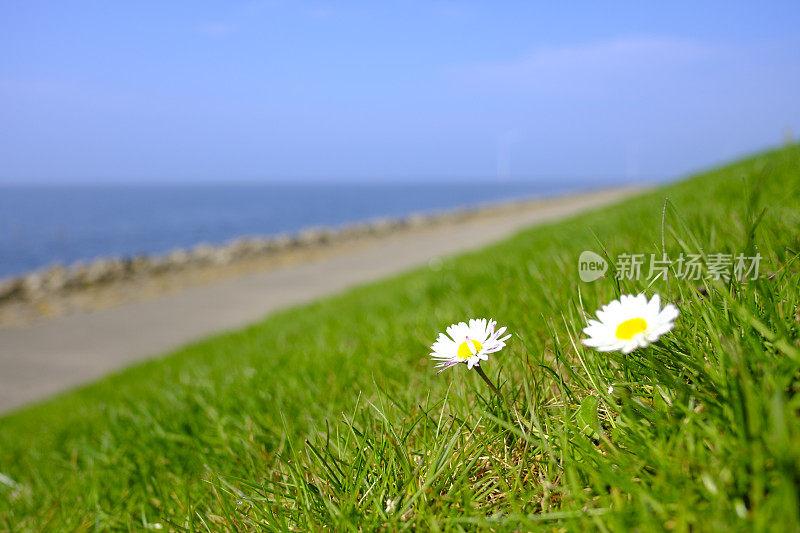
(331, 413)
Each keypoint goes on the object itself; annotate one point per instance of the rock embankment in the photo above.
(59, 280)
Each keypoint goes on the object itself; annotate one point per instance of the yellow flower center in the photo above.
(464, 351)
(629, 328)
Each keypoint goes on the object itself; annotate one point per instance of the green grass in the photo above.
(331, 414)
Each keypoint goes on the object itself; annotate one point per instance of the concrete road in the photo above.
(51, 356)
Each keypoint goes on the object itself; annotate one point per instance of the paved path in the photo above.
(54, 355)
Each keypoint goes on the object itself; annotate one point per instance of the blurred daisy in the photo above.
(468, 343)
(630, 323)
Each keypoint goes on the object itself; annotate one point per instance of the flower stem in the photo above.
(493, 388)
(512, 413)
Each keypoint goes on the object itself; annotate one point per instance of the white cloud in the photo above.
(611, 62)
(320, 12)
(235, 17)
(217, 29)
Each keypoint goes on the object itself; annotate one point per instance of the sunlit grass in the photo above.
(332, 414)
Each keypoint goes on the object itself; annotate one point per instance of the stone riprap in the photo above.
(58, 280)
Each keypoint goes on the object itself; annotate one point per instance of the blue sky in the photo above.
(278, 90)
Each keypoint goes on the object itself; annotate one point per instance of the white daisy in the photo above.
(630, 323)
(468, 343)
